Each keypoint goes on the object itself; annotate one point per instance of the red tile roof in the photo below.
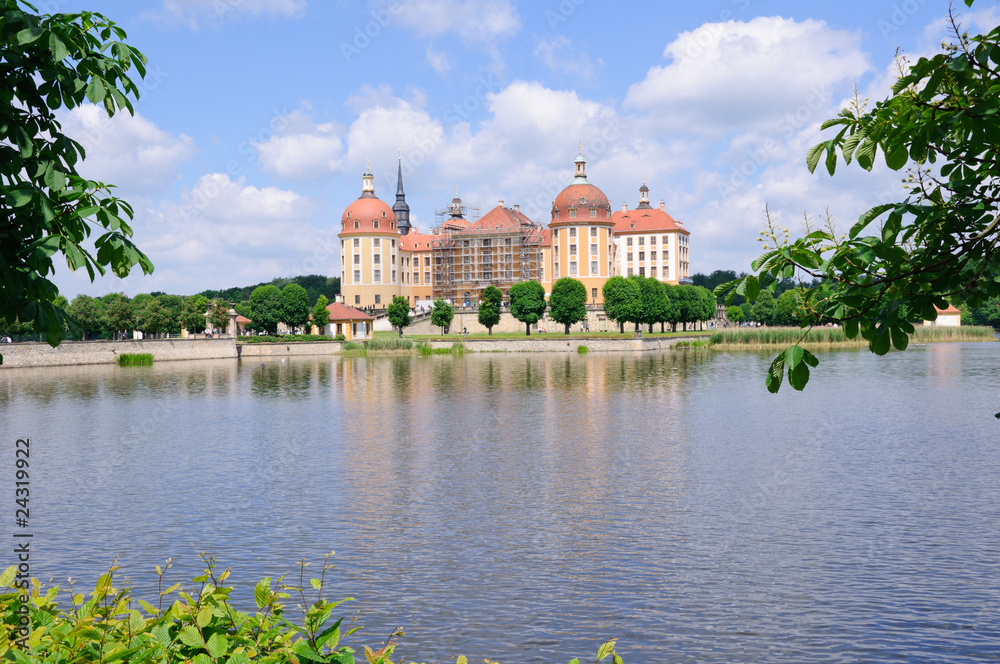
(340, 311)
(503, 218)
(242, 319)
(645, 221)
(417, 241)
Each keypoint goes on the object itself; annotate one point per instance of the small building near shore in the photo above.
(353, 323)
(950, 317)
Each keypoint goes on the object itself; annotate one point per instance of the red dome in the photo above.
(366, 211)
(582, 197)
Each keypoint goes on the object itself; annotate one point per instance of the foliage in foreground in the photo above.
(135, 360)
(901, 260)
(198, 626)
(52, 62)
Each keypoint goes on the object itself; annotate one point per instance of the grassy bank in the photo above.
(834, 336)
(576, 336)
(135, 360)
(282, 338)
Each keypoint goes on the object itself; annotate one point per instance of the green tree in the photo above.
(938, 243)
(52, 62)
(653, 302)
(86, 311)
(735, 314)
(174, 304)
(152, 317)
(442, 313)
(118, 314)
(266, 307)
(786, 308)
(568, 301)
(399, 313)
(193, 314)
(295, 306)
(705, 305)
(489, 308)
(622, 301)
(762, 310)
(218, 315)
(320, 314)
(527, 303)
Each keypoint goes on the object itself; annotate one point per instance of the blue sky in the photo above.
(258, 116)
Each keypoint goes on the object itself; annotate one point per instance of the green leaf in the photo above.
(58, 47)
(204, 616)
(261, 592)
(29, 35)
(201, 658)
(55, 180)
(865, 154)
(896, 158)
(775, 374)
(812, 157)
(605, 649)
(900, 340)
(831, 158)
(217, 645)
(314, 583)
(20, 196)
(880, 342)
(7, 577)
(191, 637)
(752, 288)
(849, 146)
(851, 328)
(868, 217)
(96, 92)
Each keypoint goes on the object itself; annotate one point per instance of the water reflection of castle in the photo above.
(382, 255)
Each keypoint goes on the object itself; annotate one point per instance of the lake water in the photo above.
(526, 507)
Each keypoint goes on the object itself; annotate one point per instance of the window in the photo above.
(652, 255)
(383, 214)
(642, 272)
(378, 276)
(666, 255)
(652, 239)
(652, 272)
(593, 293)
(466, 259)
(393, 276)
(357, 300)
(593, 213)
(572, 250)
(393, 244)
(593, 250)
(593, 268)
(357, 276)
(555, 270)
(348, 214)
(357, 259)
(427, 261)
(376, 242)
(572, 268)
(393, 259)
(506, 242)
(628, 241)
(593, 231)
(572, 214)
(555, 214)
(376, 223)
(378, 258)
(630, 272)
(642, 241)
(378, 298)
(509, 274)
(427, 277)
(357, 242)
(629, 257)
(356, 225)
(572, 231)
(642, 255)
(468, 276)
(465, 243)
(665, 239)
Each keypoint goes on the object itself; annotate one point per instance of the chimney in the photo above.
(662, 206)
(500, 203)
(517, 207)
(624, 207)
(339, 298)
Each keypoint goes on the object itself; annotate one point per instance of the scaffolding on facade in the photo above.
(466, 262)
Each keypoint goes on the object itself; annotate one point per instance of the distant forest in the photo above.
(315, 285)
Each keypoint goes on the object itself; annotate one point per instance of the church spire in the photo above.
(400, 208)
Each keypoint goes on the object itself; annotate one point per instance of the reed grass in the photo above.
(135, 360)
(835, 336)
(388, 344)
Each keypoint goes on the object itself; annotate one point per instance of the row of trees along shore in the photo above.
(153, 314)
(637, 300)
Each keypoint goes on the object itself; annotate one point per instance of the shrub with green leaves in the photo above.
(189, 626)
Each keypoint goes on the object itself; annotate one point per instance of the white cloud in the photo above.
(128, 151)
(438, 60)
(194, 13)
(300, 149)
(475, 22)
(725, 76)
(560, 55)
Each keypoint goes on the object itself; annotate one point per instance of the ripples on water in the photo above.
(526, 507)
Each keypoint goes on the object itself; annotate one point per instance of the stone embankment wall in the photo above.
(35, 354)
(106, 352)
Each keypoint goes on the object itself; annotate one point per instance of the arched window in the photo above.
(355, 224)
(376, 223)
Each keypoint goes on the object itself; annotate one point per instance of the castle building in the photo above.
(383, 255)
